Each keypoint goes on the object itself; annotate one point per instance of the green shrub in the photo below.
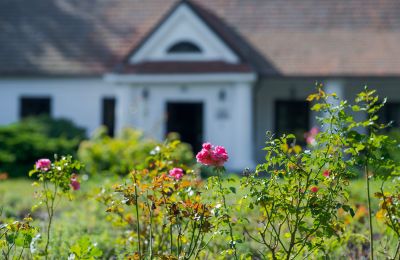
(22, 143)
(103, 154)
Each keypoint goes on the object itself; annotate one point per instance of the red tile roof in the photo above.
(308, 37)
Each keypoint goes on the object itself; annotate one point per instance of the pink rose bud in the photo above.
(314, 189)
(176, 173)
(43, 164)
(75, 184)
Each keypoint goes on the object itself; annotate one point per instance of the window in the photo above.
(34, 106)
(184, 47)
(292, 117)
(390, 112)
(109, 115)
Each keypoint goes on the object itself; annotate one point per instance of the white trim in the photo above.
(182, 78)
(184, 24)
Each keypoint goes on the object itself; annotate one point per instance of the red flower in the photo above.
(314, 189)
(326, 173)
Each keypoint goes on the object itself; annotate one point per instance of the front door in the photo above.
(186, 118)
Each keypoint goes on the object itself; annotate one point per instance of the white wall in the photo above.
(266, 93)
(76, 99)
(150, 114)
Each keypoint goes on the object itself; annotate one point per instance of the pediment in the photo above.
(183, 36)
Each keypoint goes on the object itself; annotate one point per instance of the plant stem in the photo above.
(50, 212)
(371, 232)
(397, 250)
(170, 238)
(137, 218)
(232, 243)
(151, 230)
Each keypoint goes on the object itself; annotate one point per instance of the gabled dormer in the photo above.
(183, 35)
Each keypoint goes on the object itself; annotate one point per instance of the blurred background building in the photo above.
(224, 71)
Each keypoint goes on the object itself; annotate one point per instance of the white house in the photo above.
(218, 71)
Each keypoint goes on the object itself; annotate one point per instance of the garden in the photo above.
(64, 196)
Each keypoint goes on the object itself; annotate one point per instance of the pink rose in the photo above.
(220, 155)
(75, 184)
(43, 164)
(212, 156)
(176, 173)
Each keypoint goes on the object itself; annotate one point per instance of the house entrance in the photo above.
(186, 119)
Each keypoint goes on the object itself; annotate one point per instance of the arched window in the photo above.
(184, 47)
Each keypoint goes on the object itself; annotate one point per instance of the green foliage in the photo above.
(55, 180)
(224, 218)
(370, 149)
(16, 238)
(130, 150)
(24, 142)
(298, 204)
(84, 249)
(163, 216)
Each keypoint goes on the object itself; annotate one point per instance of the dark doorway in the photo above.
(187, 120)
(109, 115)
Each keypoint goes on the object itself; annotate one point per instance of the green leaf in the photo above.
(348, 209)
(232, 189)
